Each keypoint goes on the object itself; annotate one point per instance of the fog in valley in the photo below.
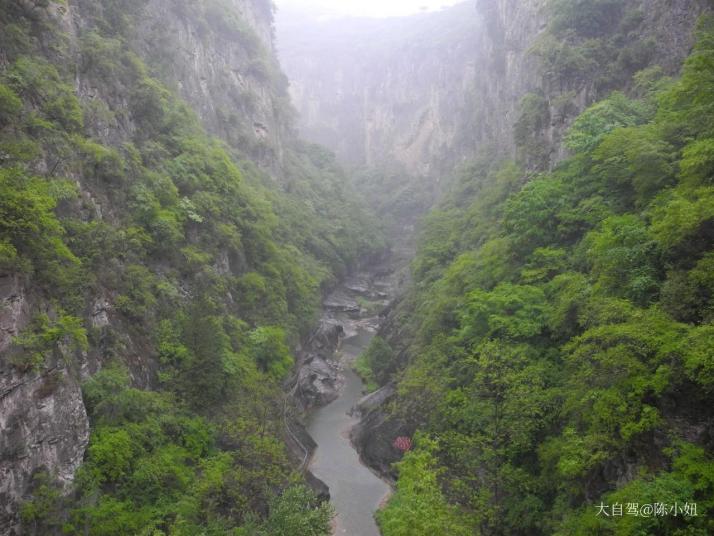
(361, 268)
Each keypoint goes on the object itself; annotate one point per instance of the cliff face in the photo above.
(43, 423)
(223, 65)
(430, 91)
(217, 56)
(384, 92)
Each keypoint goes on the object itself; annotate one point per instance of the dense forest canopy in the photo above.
(212, 268)
(164, 258)
(563, 345)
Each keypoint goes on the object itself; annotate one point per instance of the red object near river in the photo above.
(402, 443)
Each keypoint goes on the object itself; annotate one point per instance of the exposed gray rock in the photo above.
(318, 382)
(14, 313)
(222, 264)
(301, 448)
(340, 301)
(43, 422)
(374, 400)
(358, 285)
(100, 313)
(318, 486)
(43, 425)
(218, 75)
(326, 338)
(373, 437)
(427, 92)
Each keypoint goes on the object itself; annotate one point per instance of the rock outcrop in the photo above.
(318, 382)
(223, 65)
(43, 422)
(373, 438)
(43, 426)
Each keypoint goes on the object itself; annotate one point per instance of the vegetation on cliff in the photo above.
(557, 356)
(562, 350)
(206, 271)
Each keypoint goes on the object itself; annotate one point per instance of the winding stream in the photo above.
(355, 491)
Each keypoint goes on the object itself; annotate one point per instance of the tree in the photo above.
(297, 512)
(419, 506)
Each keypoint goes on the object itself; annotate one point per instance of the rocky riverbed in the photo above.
(331, 396)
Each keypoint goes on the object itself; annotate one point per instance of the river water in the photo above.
(355, 491)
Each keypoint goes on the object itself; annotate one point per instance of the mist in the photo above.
(364, 8)
(356, 268)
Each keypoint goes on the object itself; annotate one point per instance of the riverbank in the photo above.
(327, 389)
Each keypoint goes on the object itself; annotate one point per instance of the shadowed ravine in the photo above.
(355, 491)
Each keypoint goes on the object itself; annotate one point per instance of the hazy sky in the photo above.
(369, 8)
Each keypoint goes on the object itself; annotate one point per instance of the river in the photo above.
(355, 491)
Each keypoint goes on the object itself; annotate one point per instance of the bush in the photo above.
(47, 338)
(297, 512)
(40, 81)
(10, 105)
(378, 360)
(533, 119)
(266, 346)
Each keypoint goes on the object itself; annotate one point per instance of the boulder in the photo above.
(326, 337)
(340, 302)
(357, 285)
(318, 382)
(374, 400)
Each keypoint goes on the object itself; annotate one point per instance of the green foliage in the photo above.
(375, 364)
(589, 18)
(636, 163)
(199, 270)
(419, 506)
(297, 513)
(614, 371)
(111, 455)
(532, 215)
(509, 311)
(624, 259)
(47, 339)
(139, 299)
(29, 229)
(603, 117)
(681, 220)
(593, 42)
(10, 105)
(688, 483)
(533, 119)
(101, 163)
(685, 109)
(697, 165)
(699, 356)
(266, 346)
(151, 463)
(558, 335)
(43, 510)
(40, 82)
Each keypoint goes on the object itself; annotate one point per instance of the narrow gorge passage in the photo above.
(355, 491)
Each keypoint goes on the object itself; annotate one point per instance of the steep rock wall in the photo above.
(384, 92)
(427, 92)
(229, 76)
(226, 70)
